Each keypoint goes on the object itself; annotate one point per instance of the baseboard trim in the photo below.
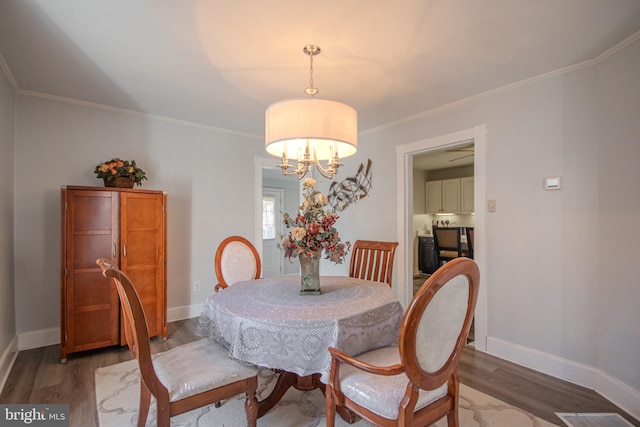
(184, 312)
(609, 387)
(619, 393)
(36, 339)
(45, 337)
(546, 363)
(7, 360)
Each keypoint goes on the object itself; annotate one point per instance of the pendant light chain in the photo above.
(311, 50)
(311, 73)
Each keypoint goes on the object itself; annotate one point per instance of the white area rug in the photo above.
(594, 419)
(117, 393)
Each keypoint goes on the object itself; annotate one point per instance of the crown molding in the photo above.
(89, 104)
(551, 74)
(8, 73)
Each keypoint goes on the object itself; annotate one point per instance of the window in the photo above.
(268, 217)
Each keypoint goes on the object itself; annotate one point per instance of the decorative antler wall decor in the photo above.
(351, 189)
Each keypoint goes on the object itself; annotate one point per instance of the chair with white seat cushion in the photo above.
(415, 383)
(186, 377)
(236, 260)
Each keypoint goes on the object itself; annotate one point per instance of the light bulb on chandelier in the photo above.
(311, 130)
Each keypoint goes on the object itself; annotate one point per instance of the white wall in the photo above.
(551, 301)
(618, 226)
(210, 195)
(8, 344)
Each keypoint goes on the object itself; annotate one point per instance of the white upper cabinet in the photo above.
(466, 195)
(450, 196)
(434, 196)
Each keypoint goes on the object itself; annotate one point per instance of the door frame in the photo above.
(404, 189)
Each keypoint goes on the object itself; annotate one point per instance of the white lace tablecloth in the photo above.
(268, 323)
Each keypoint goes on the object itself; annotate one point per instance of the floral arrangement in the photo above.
(313, 228)
(118, 167)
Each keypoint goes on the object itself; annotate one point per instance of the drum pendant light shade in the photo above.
(327, 126)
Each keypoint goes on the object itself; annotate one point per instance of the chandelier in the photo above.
(311, 130)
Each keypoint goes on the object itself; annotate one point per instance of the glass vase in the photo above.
(310, 273)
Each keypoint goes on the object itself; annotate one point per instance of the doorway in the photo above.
(404, 162)
(272, 207)
(268, 178)
(443, 196)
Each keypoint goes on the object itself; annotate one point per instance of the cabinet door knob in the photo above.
(114, 250)
(124, 250)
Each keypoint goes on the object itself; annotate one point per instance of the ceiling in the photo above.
(221, 63)
(461, 154)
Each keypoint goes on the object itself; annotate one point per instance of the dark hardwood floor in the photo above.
(38, 377)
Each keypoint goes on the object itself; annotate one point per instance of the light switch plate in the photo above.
(491, 205)
(552, 183)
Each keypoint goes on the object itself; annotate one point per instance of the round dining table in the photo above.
(268, 323)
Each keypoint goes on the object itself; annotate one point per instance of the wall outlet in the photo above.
(196, 286)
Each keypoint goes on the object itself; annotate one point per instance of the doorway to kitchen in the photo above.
(443, 197)
(405, 155)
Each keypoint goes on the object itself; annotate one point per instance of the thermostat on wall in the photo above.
(552, 182)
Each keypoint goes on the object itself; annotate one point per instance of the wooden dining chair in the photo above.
(448, 244)
(415, 383)
(236, 260)
(186, 377)
(372, 260)
(470, 241)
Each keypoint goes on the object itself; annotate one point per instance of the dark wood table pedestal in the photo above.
(286, 380)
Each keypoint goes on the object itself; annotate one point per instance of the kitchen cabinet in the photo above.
(128, 227)
(427, 260)
(450, 196)
(466, 195)
(443, 196)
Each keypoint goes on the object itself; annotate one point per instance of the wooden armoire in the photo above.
(127, 226)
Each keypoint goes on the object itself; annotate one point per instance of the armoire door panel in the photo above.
(146, 281)
(142, 247)
(90, 247)
(91, 288)
(142, 234)
(93, 333)
(151, 306)
(90, 307)
(92, 211)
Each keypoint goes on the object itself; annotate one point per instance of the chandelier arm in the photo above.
(301, 170)
(327, 173)
(332, 165)
(302, 166)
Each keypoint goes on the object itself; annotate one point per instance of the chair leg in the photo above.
(330, 407)
(452, 418)
(251, 408)
(163, 413)
(145, 400)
